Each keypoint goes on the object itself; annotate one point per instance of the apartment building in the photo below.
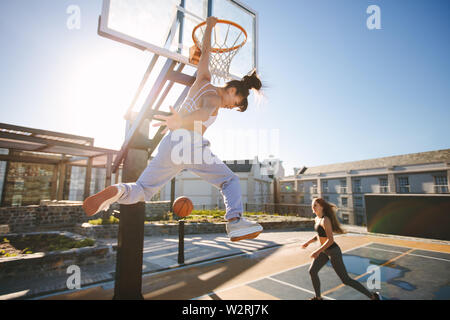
(345, 184)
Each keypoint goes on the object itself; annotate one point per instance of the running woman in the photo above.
(198, 112)
(326, 223)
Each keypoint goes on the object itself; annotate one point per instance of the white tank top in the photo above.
(190, 104)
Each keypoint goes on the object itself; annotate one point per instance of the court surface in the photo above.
(401, 273)
(406, 270)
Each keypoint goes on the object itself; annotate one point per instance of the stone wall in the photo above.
(38, 218)
(4, 228)
(157, 209)
(61, 216)
(41, 262)
(160, 229)
(71, 217)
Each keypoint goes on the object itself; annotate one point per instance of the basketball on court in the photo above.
(182, 207)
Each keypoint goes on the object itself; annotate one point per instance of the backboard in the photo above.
(165, 27)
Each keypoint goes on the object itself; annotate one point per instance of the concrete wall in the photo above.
(423, 216)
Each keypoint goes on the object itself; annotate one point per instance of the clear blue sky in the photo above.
(336, 91)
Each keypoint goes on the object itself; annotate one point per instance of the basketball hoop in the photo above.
(227, 38)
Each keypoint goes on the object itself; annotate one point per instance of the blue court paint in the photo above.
(389, 274)
(442, 294)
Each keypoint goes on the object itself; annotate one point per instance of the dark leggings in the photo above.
(334, 254)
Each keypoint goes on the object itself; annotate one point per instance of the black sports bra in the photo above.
(320, 230)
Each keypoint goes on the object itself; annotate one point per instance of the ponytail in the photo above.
(244, 86)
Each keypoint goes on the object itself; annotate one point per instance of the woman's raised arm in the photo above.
(203, 64)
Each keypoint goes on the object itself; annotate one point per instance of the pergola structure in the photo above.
(42, 146)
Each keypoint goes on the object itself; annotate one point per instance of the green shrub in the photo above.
(214, 215)
(110, 220)
(44, 242)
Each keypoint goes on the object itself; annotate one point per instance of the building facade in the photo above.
(256, 179)
(345, 184)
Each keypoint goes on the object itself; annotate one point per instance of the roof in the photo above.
(239, 165)
(43, 141)
(407, 159)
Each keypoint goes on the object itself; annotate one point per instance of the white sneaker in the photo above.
(102, 200)
(243, 229)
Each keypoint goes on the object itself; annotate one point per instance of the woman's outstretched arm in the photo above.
(203, 64)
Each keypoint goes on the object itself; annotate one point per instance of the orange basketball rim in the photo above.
(230, 24)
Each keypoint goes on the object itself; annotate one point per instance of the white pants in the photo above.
(184, 149)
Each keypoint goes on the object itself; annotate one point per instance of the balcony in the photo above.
(342, 189)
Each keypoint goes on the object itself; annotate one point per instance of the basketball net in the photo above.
(227, 38)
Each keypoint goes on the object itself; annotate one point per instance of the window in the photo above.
(345, 218)
(2, 175)
(359, 220)
(314, 187)
(301, 187)
(384, 185)
(440, 184)
(344, 202)
(326, 198)
(98, 177)
(358, 201)
(343, 186)
(403, 184)
(27, 183)
(325, 186)
(357, 186)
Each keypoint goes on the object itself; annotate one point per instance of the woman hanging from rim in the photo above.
(197, 113)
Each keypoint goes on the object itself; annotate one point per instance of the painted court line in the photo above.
(366, 273)
(269, 276)
(297, 287)
(407, 247)
(412, 254)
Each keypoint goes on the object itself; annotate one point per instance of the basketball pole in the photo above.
(181, 241)
(180, 224)
(130, 241)
(135, 152)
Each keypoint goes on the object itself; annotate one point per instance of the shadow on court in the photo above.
(188, 281)
(206, 264)
(261, 269)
